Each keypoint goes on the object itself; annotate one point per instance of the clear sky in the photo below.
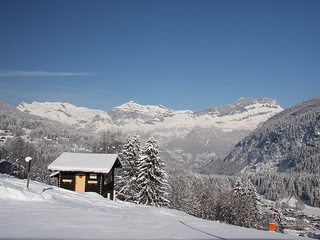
(182, 54)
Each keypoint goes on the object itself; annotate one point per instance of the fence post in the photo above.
(28, 160)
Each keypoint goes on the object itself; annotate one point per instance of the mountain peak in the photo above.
(129, 105)
(250, 101)
(131, 102)
(243, 105)
(133, 106)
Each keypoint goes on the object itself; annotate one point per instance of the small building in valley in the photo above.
(86, 172)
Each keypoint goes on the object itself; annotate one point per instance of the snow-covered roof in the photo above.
(85, 162)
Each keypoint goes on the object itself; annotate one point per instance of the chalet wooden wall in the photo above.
(108, 185)
(95, 182)
(66, 180)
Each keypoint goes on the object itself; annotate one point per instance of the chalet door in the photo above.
(80, 182)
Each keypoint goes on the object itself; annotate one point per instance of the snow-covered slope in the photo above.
(64, 112)
(48, 212)
(194, 138)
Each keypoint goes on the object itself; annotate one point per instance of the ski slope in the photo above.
(48, 212)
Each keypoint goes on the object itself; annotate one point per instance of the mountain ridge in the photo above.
(146, 114)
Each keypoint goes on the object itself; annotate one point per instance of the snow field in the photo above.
(48, 212)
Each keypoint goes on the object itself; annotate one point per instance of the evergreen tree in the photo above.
(224, 207)
(254, 216)
(127, 177)
(152, 178)
(245, 211)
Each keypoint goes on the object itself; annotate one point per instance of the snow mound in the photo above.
(9, 189)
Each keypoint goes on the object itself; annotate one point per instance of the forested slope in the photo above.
(287, 142)
(282, 156)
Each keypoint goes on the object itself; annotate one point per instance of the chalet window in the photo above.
(92, 182)
(93, 176)
(67, 180)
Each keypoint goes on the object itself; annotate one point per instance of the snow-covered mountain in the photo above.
(244, 114)
(65, 113)
(287, 142)
(191, 137)
(48, 212)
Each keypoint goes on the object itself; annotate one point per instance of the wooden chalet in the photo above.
(86, 172)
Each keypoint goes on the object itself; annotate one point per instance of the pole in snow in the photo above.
(272, 227)
(28, 160)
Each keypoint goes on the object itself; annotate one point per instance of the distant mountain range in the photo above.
(244, 114)
(193, 138)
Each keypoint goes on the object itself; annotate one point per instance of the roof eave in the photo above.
(80, 170)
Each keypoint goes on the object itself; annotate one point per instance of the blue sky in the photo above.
(179, 53)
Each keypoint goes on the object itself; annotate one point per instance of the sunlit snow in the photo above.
(48, 212)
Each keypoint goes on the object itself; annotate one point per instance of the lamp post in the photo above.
(28, 160)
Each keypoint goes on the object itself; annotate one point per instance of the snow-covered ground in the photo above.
(48, 212)
(308, 210)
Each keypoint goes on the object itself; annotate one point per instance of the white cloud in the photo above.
(40, 74)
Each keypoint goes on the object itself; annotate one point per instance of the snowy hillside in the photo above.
(192, 138)
(48, 212)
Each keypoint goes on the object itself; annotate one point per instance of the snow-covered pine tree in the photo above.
(245, 211)
(254, 215)
(127, 176)
(152, 178)
(224, 207)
